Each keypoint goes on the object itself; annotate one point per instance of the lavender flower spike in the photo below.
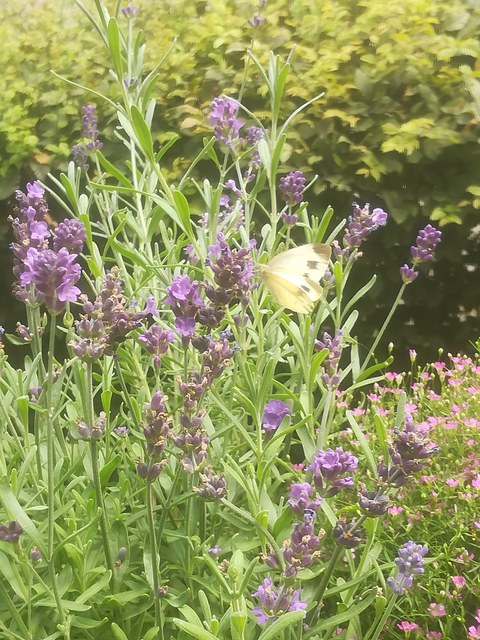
(427, 241)
(360, 225)
(273, 414)
(54, 276)
(330, 468)
(409, 562)
(223, 118)
(274, 602)
(292, 186)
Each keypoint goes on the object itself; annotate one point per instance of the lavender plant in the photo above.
(168, 456)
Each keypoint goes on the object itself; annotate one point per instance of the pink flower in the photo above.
(431, 395)
(451, 482)
(472, 422)
(474, 632)
(407, 626)
(436, 610)
(394, 511)
(450, 425)
(463, 558)
(459, 582)
(477, 615)
(433, 635)
(358, 412)
(382, 411)
(476, 481)
(455, 383)
(392, 376)
(410, 408)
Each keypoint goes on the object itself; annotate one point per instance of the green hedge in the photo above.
(397, 124)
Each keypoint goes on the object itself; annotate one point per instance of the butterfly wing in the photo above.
(292, 276)
(309, 261)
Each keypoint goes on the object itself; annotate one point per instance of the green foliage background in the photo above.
(397, 126)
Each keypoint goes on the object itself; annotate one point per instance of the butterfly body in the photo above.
(292, 277)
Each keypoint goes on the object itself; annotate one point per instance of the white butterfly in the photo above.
(292, 277)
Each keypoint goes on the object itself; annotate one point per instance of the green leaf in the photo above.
(274, 631)
(87, 623)
(114, 47)
(15, 512)
(196, 632)
(166, 146)
(357, 430)
(113, 171)
(117, 632)
(183, 211)
(142, 133)
(107, 470)
(100, 584)
(350, 612)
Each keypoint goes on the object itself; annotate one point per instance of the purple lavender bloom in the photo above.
(302, 548)
(54, 276)
(256, 21)
(80, 157)
(130, 12)
(331, 372)
(233, 272)
(373, 503)
(330, 468)
(226, 125)
(215, 550)
(10, 532)
(232, 185)
(292, 186)
(427, 241)
(408, 274)
(80, 152)
(273, 414)
(424, 251)
(216, 357)
(109, 319)
(184, 297)
(90, 127)
(185, 328)
(157, 426)
(70, 234)
(348, 535)
(156, 341)
(409, 562)
(275, 602)
(35, 554)
(35, 193)
(301, 498)
(96, 432)
(360, 225)
(289, 219)
(191, 253)
(30, 229)
(213, 486)
(254, 134)
(411, 447)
